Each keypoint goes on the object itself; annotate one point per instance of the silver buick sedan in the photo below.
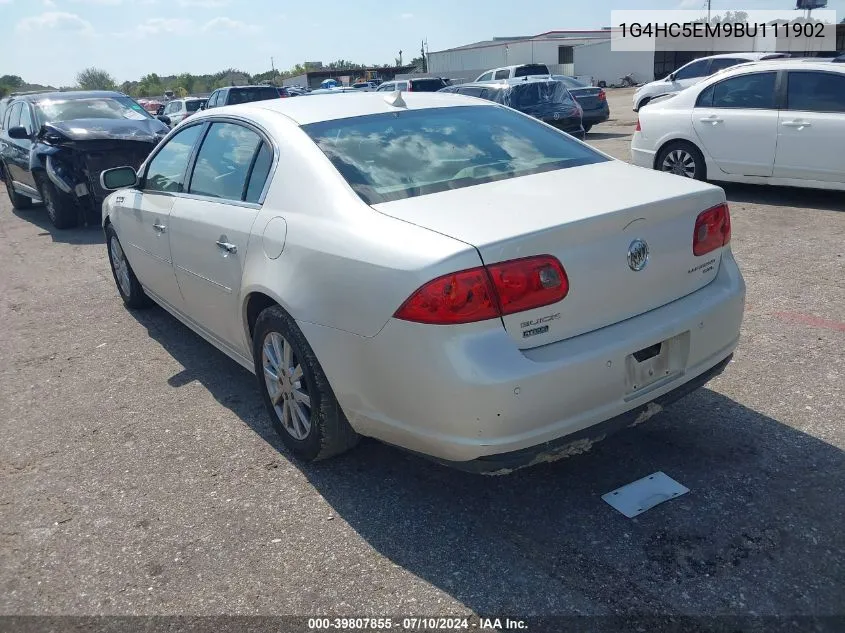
(439, 272)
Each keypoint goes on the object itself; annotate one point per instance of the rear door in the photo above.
(736, 121)
(811, 127)
(142, 216)
(211, 226)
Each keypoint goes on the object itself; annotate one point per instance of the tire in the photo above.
(683, 159)
(303, 408)
(587, 128)
(127, 283)
(61, 208)
(18, 201)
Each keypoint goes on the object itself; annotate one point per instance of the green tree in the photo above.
(95, 79)
(186, 81)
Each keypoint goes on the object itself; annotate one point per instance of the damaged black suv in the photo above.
(53, 147)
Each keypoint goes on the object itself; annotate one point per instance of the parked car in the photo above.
(693, 72)
(285, 92)
(778, 122)
(240, 94)
(418, 84)
(53, 147)
(593, 101)
(180, 109)
(502, 309)
(544, 99)
(364, 86)
(513, 72)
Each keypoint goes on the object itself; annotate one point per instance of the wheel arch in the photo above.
(677, 139)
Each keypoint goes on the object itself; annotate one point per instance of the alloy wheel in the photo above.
(286, 385)
(679, 162)
(120, 266)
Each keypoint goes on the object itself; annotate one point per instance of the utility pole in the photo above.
(273, 68)
(400, 58)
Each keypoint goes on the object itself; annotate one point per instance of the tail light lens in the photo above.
(488, 292)
(712, 230)
(602, 95)
(638, 128)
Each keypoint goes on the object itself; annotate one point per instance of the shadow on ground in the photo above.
(37, 215)
(599, 136)
(819, 199)
(760, 532)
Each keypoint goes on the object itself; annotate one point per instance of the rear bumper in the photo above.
(467, 392)
(641, 156)
(594, 117)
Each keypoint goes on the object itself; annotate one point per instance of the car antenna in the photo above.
(395, 99)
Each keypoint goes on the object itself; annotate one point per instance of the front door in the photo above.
(212, 225)
(736, 120)
(143, 216)
(811, 128)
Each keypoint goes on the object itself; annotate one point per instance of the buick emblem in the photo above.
(637, 255)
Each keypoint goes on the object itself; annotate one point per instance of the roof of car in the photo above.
(801, 63)
(741, 55)
(70, 94)
(328, 107)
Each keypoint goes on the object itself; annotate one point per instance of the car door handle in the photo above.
(711, 119)
(159, 228)
(227, 246)
(798, 124)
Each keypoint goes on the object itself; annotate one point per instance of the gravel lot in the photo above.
(139, 475)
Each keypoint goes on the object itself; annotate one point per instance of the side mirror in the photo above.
(671, 77)
(19, 133)
(118, 178)
(163, 119)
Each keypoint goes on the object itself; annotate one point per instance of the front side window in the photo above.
(212, 100)
(386, 87)
(402, 85)
(693, 70)
(486, 76)
(224, 161)
(26, 119)
(14, 116)
(411, 153)
(166, 171)
(754, 91)
(815, 91)
(90, 108)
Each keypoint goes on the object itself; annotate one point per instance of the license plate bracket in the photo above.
(648, 368)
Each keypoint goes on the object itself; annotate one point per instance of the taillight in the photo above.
(712, 230)
(410, 87)
(638, 128)
(602, 95)
(488, 292)
(462, 297)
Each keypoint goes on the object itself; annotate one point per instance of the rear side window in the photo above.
(502, 74)
(693, 70)
(486, 77)
(246, 95)
(193, 106)
(531, 69)
(224, 161)
(815, 91)
(721, 63)
(428, 85)
(386, 157)
(258, 174)
(167, 168)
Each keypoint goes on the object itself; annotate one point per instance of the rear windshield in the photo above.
(427, 85)
(90, 108)
(386, 157)
(528, 97)
(193, 106)
(569, 82)
(245, 95)
(531, 69)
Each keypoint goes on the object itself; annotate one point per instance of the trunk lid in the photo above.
(587, 217)
(588, 98)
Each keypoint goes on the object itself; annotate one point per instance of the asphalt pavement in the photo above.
(139, 474)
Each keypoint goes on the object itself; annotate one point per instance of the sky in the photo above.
(49, 41)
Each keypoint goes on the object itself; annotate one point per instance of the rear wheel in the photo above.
(587, 127)
(61, 208)
(682, 159)
(18, 201)
(296, 392)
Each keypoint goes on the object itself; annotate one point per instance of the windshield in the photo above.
(531, 69)
(90, 108)
(386, 157)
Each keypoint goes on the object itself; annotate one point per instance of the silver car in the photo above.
(431, 270)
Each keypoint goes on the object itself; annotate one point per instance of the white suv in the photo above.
(180, 109)
(693, 72)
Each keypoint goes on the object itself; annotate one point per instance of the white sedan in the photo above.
(775, 122)
(421, 268)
